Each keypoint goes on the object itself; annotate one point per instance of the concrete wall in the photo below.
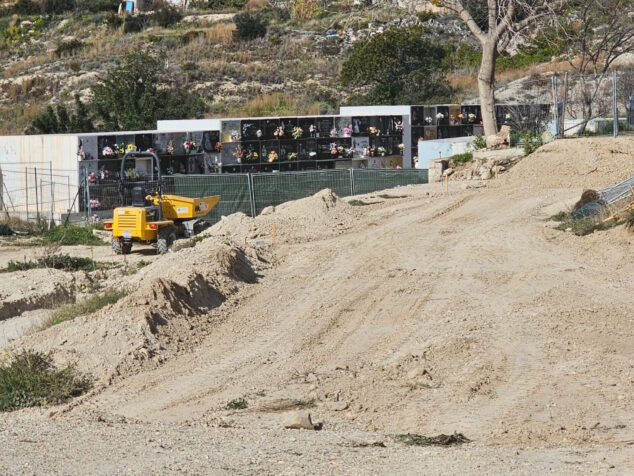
(188, 125)
(429, 150)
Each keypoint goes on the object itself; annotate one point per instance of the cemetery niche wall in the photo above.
(311, 143)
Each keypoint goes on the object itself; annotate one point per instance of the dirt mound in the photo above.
(23, 291)
(166, 312)
(581, 163)
(318, 216)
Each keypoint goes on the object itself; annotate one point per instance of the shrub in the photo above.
(237, 404)
(305, 9)
(57, 7)
(250, 26)
(461, 158)
(532, 142)
(166, 16)
(97, 6)
(224, 4)
(92, 304)
(479, 142)
(113, 20)
(69, 48)
(26, 7)
(30, 379)
(71, 235)
(629, 220)
(62, 262)
(134, 24)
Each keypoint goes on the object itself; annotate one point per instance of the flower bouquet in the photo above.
(333, 149)
(398, 126)
(297, 132)
(312, 154)
(366, 152)
(131, 148)
(507, 117)
(401, 148)
(132, 174)
(471, 118)
(292, 156)
(460, 118)
(107, 151)
(272, 156)
(239, 153)
(279, 132)
(312, 129)
(253, 156)
(428, 120)
(151, 149)
(440, 116)
(381, 151)
(94, 203)
(189, 145)
(373, 131)
(235, 136)
(218, 147)
(333, 132)
(347, 131)
(258, 133)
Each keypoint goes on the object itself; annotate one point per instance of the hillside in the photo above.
(293, 69)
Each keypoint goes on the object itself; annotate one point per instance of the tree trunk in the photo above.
(486, 85)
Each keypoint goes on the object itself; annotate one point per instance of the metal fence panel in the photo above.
(273, 189)
(367, 181)
(233, 188)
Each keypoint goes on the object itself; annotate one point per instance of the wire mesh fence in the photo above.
(598, 104)
(35, 193)
(612, 202)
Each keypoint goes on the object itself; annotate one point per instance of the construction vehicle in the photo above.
(152, 216)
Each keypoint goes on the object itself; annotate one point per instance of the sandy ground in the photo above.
(431, 313)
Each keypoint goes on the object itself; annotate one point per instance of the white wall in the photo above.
(188, 125)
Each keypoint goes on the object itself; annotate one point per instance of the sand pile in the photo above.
(315, 217)
(168, 306)
(582, 163)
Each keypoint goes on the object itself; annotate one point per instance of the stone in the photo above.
(448, 172)
(336, 406)
(414, 373)
(485, 173)
(299, 420)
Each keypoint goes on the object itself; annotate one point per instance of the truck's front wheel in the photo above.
(166, 238)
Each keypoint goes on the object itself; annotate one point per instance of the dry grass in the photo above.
(278, 104)
(20, 67)
(221, 33)
(256, 4)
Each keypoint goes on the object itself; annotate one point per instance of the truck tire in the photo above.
(166, 237)
(120, 247)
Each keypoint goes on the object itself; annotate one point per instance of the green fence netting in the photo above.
(250, 194)
(367, 181)
(233, 188)
(273, 189)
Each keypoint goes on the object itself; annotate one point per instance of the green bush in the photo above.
(166, 16)
(461, 158)
(113, 20)
(222, 4)
(57, 7)
(26, 7)
(237, 404)
(69, 48)
(250, 26)
(532, 142)
(71, 235)
(97, 6)
(30, 379)
(62, 262)
(479, 142)
(134, 23)
(92, 304)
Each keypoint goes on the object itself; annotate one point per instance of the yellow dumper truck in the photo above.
(154, 217)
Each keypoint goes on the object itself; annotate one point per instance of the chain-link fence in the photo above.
(251, 193)
(611, 202)
(599, 104)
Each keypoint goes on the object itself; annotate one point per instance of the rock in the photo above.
(448, 172)
(485, 173)
(336, 406)
(414, 373)
(299, 420)
(182, 244)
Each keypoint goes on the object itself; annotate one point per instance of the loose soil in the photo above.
(427, 314)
